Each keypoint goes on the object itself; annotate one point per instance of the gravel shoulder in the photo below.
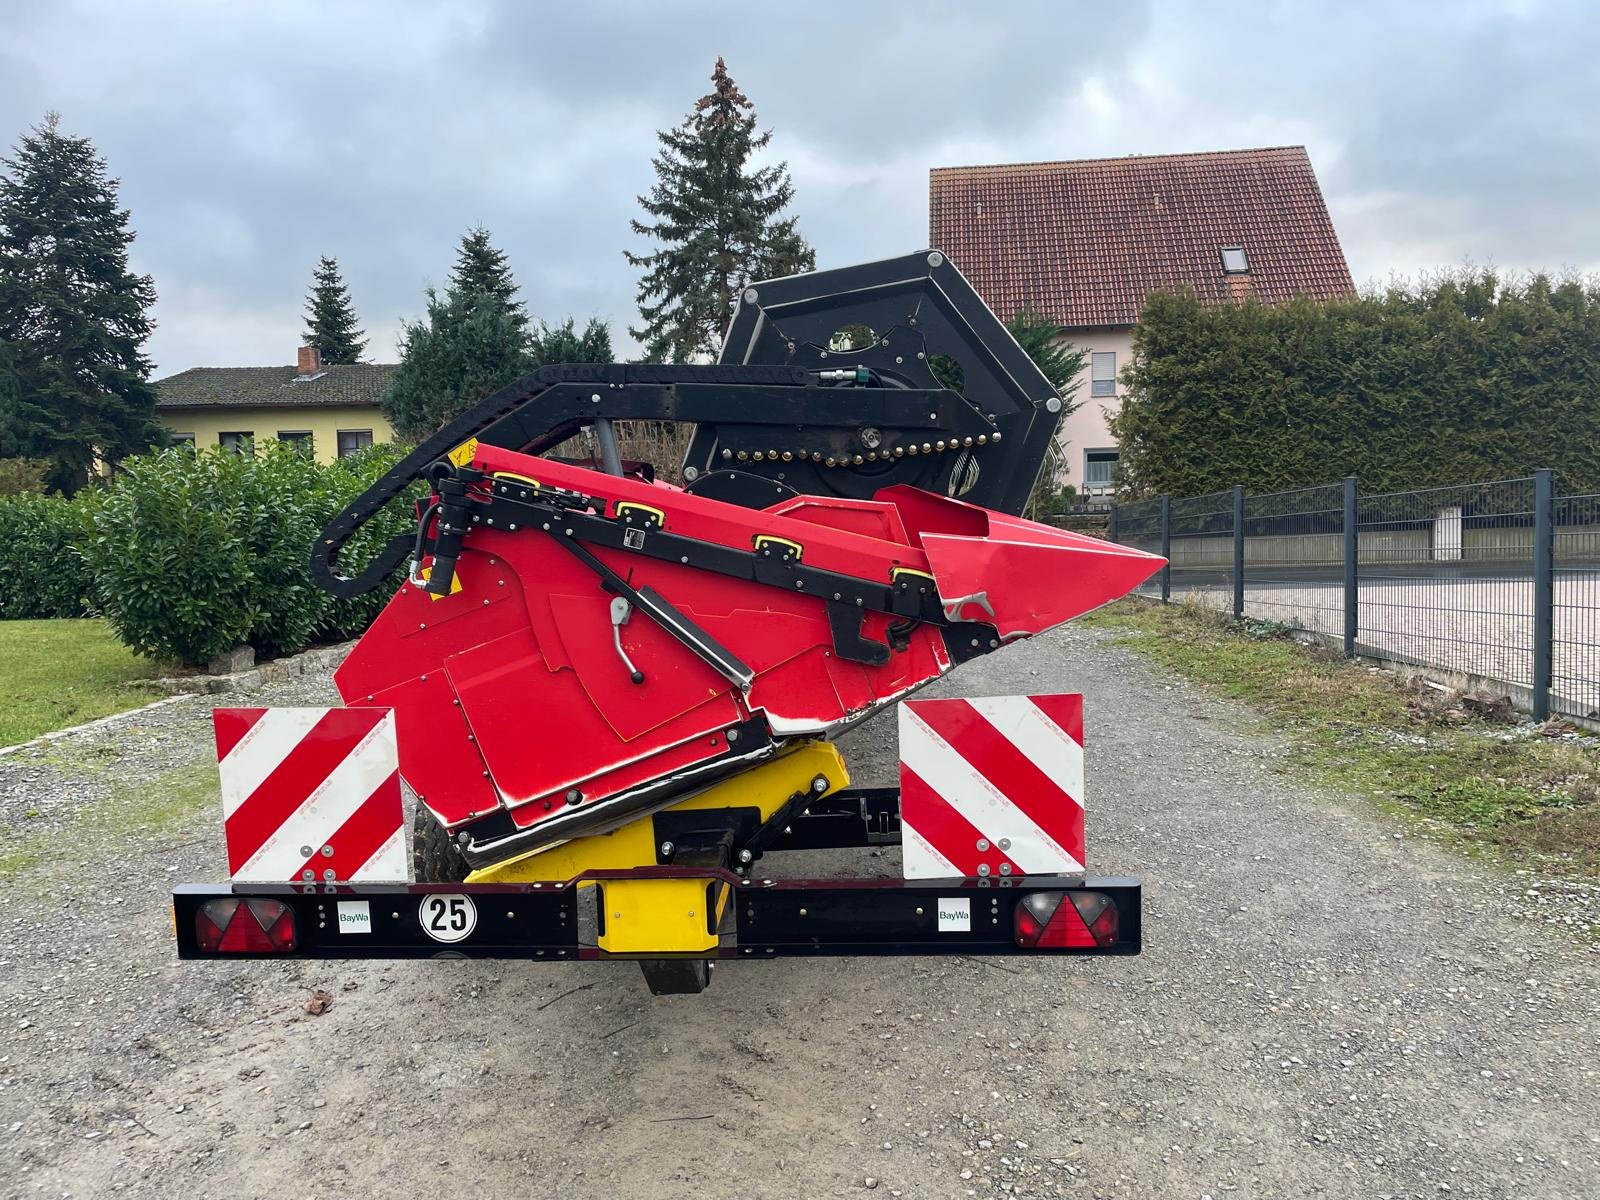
(1326, 1005)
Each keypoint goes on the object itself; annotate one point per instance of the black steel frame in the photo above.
(766, 918)
(782, 405)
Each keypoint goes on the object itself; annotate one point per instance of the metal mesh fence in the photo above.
(1452, 578)
(1139, 525)
(1294, 558)
(1446, 578)
(1202, 547)
(1575, 670)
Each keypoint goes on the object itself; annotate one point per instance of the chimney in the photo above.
(310, 361)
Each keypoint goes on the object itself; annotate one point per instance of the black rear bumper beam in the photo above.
(763, 918)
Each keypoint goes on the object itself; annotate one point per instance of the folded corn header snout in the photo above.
(612, 695)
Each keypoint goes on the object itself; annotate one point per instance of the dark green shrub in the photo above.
(278, 502)
(171, 571)
(194, 553)
(344, 481)
(1462, 376)
(41, 573)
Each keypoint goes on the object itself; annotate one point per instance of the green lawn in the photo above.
(1435, 755)
(59, 673)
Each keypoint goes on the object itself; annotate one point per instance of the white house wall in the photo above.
(1088, 428)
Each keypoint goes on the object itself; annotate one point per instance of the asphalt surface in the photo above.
(1326, 1006)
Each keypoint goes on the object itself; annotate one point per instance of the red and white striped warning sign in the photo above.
(310, 794)
(992, 787)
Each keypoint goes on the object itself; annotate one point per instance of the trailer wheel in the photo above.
(434, 857)
(676, 976)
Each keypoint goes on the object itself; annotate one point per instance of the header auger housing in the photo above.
(603, 682)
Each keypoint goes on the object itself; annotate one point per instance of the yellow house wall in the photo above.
(324, 422)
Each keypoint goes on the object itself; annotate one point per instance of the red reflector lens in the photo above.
(255, 926)
(1099, 913)
(1029, 926)
(1088, 921)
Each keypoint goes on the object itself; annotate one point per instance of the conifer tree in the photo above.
(564, 344)
(330, 317)
(481, 270)
(467, 347)
(475, 339)
(719, 222)
(73, 314)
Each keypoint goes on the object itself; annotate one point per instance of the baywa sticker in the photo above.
(955, 915)
(355, 916)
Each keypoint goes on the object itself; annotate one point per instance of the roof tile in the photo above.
(274, 387)
(1084, 242)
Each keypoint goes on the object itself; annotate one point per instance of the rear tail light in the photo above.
(254, 926)
(1073, 920)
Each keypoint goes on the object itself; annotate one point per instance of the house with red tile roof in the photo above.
(1085, 242)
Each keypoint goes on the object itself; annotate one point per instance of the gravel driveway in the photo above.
(1325, 1006)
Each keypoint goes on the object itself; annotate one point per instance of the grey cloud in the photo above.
(252, 139)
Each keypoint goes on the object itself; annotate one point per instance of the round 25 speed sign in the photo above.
(447, 916)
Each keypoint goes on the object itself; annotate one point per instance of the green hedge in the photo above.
(194, 553)
(1461, 378)
(347, 479)
(41, 573)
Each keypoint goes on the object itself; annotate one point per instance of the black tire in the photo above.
(434, 857)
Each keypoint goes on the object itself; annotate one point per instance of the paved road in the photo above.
(1324, 1007)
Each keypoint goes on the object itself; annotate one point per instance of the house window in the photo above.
(300, 439)
(1099, 466)
(243, 442)
(1234, 261)
(1103, 373)
(182, 439)
(351, 440)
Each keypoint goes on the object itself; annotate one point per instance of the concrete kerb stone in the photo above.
(307, 662)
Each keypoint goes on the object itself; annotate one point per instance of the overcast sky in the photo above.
(250, 138)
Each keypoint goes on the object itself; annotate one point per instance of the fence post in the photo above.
(1111, 525)
(1238, 551)
(1351, 552)
(1166, 547)
(1543, 590)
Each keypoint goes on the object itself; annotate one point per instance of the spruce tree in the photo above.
(75, 317)
(330, 317)
(467, 347)
(10, 399)
(1058, 359)
(564, 344)
(719, 223)
(481, 270)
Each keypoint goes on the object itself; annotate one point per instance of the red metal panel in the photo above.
(438, 756)
(540, 733)
(715, 521)
(510, 692)
(874, 518)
